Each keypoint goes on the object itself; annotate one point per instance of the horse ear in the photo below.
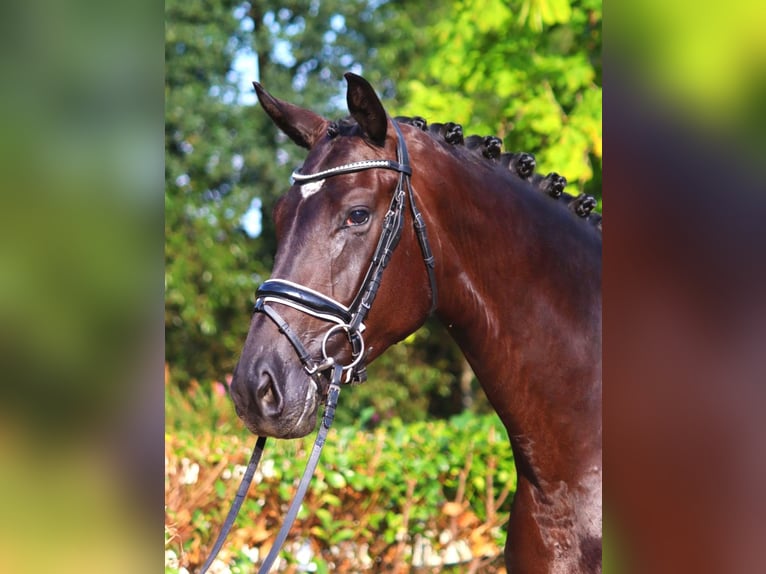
(302, 126)
(365, 107)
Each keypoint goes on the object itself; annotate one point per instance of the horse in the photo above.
(513, 274)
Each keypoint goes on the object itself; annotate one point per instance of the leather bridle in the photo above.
(349, 319)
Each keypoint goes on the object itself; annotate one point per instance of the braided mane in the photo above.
(522, 164)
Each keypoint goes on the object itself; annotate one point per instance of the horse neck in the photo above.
(519, 287)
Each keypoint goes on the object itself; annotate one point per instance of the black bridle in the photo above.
(349, 319)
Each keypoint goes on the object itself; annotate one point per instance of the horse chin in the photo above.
(297, 419)
(297, 426)
(298, 431)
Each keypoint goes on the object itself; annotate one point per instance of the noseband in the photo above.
(350, 320)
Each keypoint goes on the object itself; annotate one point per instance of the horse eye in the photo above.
(357, 216)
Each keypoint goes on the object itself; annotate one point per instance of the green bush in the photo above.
(424, 494)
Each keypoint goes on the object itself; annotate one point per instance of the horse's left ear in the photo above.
(365, 107)
(302, 126)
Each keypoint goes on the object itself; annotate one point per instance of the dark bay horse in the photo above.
(514, 275)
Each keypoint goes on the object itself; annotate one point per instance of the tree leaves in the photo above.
(536, 13)
(526, 84)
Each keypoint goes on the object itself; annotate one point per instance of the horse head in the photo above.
(316, 310)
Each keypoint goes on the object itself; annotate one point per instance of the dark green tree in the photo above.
(210, 170)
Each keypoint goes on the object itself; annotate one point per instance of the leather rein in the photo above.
(348, 319)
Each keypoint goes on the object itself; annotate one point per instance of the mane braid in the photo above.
(489, 148)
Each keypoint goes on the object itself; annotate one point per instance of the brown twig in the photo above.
(460, 494)
(409, 503)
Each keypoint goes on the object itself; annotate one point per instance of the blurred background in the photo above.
(81, 239)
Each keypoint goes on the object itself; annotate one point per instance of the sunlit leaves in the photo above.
(527, 71)
(380, 490)
(537, 13)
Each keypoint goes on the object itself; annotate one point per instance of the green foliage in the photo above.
(375, 493)
(201, 408)
(209, 153)
(528, 71)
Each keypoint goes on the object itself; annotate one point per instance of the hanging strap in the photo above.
(292, 513)
(244, 486)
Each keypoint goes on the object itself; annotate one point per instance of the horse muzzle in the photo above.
(276, 401)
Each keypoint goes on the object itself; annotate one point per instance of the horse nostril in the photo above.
(267, 395)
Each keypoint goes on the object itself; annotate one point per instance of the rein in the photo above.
(347, 319)
(292, 512)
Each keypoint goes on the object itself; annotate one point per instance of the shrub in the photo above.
(426, 495)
